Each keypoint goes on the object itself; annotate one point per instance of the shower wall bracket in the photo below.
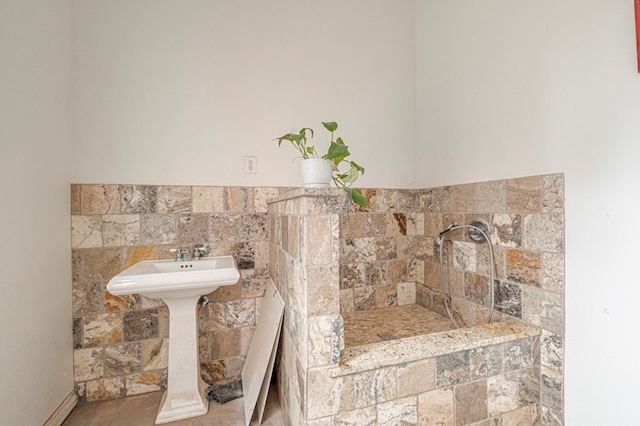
(479, 224)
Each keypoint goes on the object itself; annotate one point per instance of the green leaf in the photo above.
(358, 197)
(355, 165)
(330, 125)
(337, 152)
(352, 175)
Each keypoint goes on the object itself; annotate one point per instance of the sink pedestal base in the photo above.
(185, 396)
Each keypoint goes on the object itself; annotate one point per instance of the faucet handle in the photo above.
(182, 253)
(200, 250)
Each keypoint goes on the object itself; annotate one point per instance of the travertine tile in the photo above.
(320, 341)
(544, 232)
(507, 230)
(398, 225)
(465, 256)
(375, 386)
(192, 229)
(174, 199)
(415, 224)
(364, 298)
(386, 296)
(521, 416)
(508, 299)
(471, 402)
(544, 309)
(86, 298)
(491, 196)
(518, 354)
(120, 230)
(352, 275)
(406, 293)
(122, 359)
(148, 381)
(99, 199)
(328, 395)
(416, 377)
(75, 199)
(208, 199)
(261, 197)
(88, 364)
(529, 386)
(354, 250)
(240, 313)
(158, 229)
(86, 231)
(551, 389)
(524, 267)
(553, 193)
(135, 254)
(551, 350)
(464, 198)
(140, 325)
(155, 354)
(485, 362)
(452, 369)
(136, 199)
(367, 416)
(502, 394)
(101, 329)
(553, 272)
(100, 389)
(436, 407)
(238, 200)
(524, 194)
(402, 411)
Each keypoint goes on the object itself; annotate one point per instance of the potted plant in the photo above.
(335, 157)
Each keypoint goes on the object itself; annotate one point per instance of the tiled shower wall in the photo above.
(382, 250)
(527, 219)
(388, 258)
(120, 343)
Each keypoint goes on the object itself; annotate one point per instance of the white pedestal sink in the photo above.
(179, 285)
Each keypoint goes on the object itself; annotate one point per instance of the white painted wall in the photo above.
(36, 368)
(170, 92)
(513, 88)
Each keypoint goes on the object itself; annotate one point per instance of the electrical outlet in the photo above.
(250, 164)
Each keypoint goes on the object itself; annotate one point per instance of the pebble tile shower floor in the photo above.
(365, 327)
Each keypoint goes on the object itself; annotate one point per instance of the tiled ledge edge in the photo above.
(395, 352)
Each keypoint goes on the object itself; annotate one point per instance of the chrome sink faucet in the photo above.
(182, 254)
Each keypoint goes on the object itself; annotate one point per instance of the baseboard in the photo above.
(63, 410)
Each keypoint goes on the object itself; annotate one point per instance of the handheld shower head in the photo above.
(440, 238)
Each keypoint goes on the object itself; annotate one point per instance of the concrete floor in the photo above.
(140, 410)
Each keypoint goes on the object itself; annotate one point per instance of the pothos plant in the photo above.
(337, 152)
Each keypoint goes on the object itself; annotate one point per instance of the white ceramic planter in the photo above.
(316, 172)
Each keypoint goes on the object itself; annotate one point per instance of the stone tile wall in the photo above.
(382, 250)
(120, 343)
(306, 245)
(304, 259)
(527, 217)
(325, 257)
(495, 384)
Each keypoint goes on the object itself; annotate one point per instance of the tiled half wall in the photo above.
(120, 343)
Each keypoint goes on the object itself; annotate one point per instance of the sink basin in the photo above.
(164, 279)
(179, 285)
